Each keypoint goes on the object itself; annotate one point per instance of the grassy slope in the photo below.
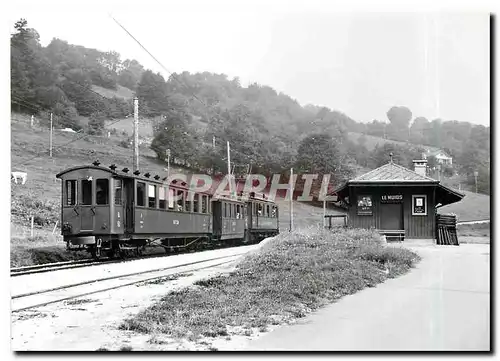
(372, 141)
(287, 278)
(472, 207)
(120, 92)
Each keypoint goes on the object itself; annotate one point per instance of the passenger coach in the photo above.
(115, 212)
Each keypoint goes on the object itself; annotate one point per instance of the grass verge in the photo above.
(474, 230)
(288, 277)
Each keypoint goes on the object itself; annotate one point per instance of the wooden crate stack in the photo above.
(446, 228)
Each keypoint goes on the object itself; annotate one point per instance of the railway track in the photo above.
(48, 267)
(28, 300)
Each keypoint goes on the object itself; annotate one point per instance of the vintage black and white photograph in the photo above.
(249, 176)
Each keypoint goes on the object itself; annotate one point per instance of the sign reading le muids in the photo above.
(391, 198)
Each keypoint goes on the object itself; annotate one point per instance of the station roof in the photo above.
(394, 174)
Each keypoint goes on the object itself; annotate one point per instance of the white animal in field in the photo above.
(19, 175)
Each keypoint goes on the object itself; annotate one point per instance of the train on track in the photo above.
(114, 213)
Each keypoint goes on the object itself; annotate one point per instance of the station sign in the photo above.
(391, 198)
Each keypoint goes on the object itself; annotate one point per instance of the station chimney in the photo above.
(420, 166)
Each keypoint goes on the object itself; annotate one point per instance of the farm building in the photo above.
(397, 201)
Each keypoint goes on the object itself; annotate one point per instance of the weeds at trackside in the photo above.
(288, 278)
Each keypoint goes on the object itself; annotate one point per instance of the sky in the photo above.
(359, 63)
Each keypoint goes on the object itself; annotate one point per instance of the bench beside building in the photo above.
(397, 201)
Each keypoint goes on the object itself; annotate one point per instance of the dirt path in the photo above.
(90, 323)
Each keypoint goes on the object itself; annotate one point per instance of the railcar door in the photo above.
(128, 203)
(87, 209)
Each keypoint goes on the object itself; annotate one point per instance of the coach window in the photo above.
(260, 209)
(71, 192)
(267, 211)
(151, 196)
(86, 192)
(188, 207)
(180, 201)
(204, 204)
(141, 194)
(170, 198)
(196, 203)
(102, 192)
(118, 191)
(161, 197)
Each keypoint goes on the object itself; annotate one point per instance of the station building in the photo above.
(399, 202)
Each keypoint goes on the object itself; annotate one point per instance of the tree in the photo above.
(174, 135)
(399, 118)
(319, 153)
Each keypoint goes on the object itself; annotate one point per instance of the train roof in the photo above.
(175, 183)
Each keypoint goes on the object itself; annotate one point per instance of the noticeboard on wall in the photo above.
(419, 205)
(365, 205)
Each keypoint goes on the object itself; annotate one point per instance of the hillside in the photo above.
(372, 141)
(120, 92)
(473, 207)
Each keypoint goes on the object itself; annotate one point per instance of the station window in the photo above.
(161, 197)
(180, 201)
(102, 192)
(71, 192)
(196, 203)
(118, 191)
(86, 192)
(141, 194)
(151, 196)
(170, 198)
(204, 203)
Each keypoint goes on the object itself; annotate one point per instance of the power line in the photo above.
(155, 59)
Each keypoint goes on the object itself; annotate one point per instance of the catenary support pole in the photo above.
(136, 133)
(291, 200)
(50, 146)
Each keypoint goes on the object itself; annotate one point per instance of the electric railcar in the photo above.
(111, 212)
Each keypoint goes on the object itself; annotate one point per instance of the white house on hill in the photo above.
(441, 156)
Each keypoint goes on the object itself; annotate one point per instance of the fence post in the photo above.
(53, 231)
(32, 223)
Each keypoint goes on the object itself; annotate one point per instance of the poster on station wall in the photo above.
(365, 205)
(419, 205)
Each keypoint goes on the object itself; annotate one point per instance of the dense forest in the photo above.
(268, 130)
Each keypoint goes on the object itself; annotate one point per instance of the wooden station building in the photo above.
(395, 200)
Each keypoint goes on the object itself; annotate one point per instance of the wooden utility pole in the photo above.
(291, 200)
(50, 149)
(136, 133)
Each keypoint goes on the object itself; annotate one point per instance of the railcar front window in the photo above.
(86, 192)
(102, 192)
(151, 196)
(141, 193)
(118, 191)
(71, 192)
